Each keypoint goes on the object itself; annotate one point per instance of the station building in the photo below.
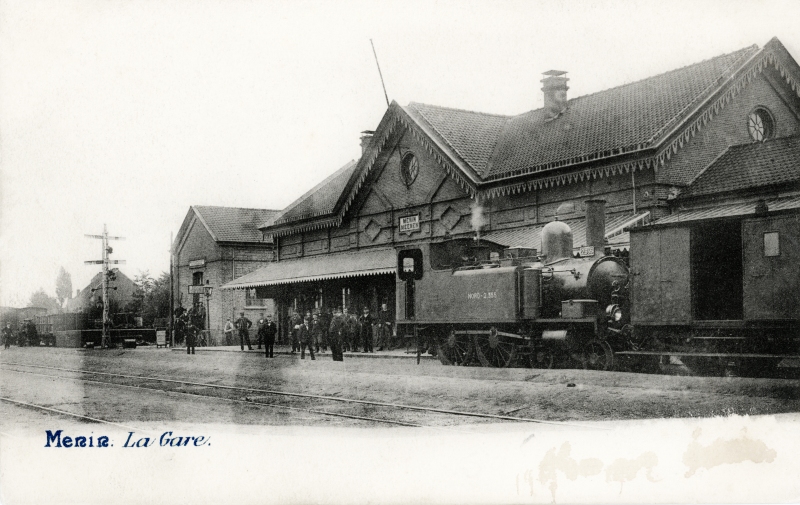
(429, 174)
(215, 245)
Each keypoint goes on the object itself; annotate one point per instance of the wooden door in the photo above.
(661, 280)
(771, 256)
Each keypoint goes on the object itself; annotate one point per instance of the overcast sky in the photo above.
(128, 112)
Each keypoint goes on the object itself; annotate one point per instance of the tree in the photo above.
(42, 299)
(63, 286)
(151, 299)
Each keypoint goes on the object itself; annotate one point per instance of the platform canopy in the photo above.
(314, 268)
(531, 236)
(730, 210)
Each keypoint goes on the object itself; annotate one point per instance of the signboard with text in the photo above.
(409, 223)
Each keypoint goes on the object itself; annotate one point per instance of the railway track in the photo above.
(277, 394)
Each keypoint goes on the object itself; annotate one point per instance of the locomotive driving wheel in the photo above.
(598, 355)
(455, 349)
(541, 357)
(492, 351)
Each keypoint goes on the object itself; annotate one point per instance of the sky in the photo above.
(126, 113)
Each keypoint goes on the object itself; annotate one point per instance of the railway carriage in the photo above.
(719, 287)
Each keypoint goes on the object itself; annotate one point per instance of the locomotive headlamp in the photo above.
(613, 312)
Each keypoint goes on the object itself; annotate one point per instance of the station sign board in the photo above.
(409, 224)
(197, 290)
(199, 263)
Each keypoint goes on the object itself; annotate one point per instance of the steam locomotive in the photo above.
(707, 293)
(482, 303)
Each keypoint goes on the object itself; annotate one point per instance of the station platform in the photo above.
(286, 350)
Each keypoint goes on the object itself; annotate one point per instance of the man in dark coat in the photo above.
(191, 330)
(270, 330)
(318, 332)
(8, 334)
(325, 318)
(33, 335)
(351, 323)
(306, 339)
(337, 334)
(243, 325)
(384, 321)
(365, 324)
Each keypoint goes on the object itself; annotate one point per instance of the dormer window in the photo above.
(760, 125)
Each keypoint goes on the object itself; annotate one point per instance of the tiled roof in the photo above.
(234, 224)
(326, 266)
(531, 237)
(610, 122)
(730, 210)
(319, 200)
(751, 165)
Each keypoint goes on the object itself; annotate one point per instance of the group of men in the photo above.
(266, 331)
(188, 324)
(26, 335)
(341, 331)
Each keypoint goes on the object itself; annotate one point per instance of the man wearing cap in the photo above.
(243, 325)
(365, 323)
(270, 329)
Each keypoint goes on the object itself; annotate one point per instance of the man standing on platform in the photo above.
(365, 323)
(325, 318)
(306, 339)
(351, 321)
(243, 325)
(228, 332)
(385, 321)
(8, 334)
(259, 332)
(270, 330)
(295, 321)
(317, 331)
(337, 334)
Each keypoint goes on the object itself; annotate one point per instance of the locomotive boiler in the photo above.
(480, 302)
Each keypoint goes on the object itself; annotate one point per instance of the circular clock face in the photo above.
(409, 169)
(759, 125)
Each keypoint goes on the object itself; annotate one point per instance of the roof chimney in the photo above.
(366, 137)
(555, 92)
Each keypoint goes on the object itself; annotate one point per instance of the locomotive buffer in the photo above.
(105, 262)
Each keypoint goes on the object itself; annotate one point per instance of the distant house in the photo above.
(120, 293)
(214, 246)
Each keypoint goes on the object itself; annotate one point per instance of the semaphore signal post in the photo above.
(105, 262)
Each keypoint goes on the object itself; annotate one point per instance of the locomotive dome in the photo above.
(556, 241)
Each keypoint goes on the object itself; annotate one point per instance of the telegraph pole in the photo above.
(105, 262)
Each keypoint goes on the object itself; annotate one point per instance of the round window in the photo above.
(760, 125)
(409, 169)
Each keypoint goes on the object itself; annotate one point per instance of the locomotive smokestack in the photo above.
(596, 225)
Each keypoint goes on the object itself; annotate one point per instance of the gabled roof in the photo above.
(746, 166)
(630, 127)
(233, 224)
(611, 122)
(319, 200)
